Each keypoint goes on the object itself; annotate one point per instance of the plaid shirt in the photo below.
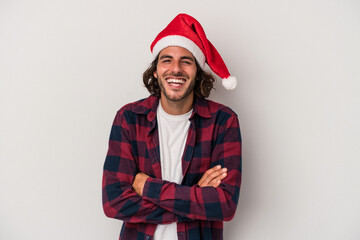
(213, 139)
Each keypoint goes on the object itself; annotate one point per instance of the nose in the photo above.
(176, 67)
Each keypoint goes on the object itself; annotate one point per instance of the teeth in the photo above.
(175, 80)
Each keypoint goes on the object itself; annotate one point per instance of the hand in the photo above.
(213, 177)
(139, 182)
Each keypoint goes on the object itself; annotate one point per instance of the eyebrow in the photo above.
(184, 57)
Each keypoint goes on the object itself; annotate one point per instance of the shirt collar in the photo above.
(201, 107)
(149, 106)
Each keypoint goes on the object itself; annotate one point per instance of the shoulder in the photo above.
(131, 111)
(225, 118)
(221, 116)
(126, 113)
(142, 106)
(220, 111)
(130, 106)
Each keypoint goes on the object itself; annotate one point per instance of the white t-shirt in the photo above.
(173, 131)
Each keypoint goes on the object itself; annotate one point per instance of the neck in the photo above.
(177, 107)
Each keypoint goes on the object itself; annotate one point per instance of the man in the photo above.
(173, 168)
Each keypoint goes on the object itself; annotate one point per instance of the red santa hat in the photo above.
(185, 31)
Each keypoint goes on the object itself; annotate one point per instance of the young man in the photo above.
(173, 168)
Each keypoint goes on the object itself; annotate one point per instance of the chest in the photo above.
(195, 156)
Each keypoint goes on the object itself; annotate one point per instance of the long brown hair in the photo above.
(203, 85)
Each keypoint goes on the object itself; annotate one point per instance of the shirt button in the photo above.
(147, 237)
(181, 233)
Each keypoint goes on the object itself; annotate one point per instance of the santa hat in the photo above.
(185, 31)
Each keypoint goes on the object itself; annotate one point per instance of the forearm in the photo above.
(205, 203)
(120, 201)
(202, 203)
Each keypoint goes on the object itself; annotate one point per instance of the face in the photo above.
(176, 72)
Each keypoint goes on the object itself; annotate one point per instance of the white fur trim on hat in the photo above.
(229, 83)
(180, 41)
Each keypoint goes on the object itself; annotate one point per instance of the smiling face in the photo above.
(176, 72)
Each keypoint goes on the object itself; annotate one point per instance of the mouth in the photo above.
(176, 82)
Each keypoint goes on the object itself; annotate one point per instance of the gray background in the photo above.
(66, 67)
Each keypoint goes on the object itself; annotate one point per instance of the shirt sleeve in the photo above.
(120, 201)
(205, 203)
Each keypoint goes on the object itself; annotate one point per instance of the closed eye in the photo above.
(165, 60)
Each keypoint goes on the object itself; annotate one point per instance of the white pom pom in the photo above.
(229, 83)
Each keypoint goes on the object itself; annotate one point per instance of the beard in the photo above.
(187, 92)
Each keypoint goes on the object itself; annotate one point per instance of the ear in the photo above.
(155, 74)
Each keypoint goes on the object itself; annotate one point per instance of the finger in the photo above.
(207, 173)
(211, 176)
(215, 174)
(217, 181)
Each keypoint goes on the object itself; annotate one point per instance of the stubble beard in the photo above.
(188, 91)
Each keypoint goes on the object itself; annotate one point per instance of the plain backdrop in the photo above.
(67, 66)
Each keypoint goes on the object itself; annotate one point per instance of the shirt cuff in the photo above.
(152, 189)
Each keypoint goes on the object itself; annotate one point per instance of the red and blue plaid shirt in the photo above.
(213, 139)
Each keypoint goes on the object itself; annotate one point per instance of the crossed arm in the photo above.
(211, 178)
(135, 197)
(130, 206)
